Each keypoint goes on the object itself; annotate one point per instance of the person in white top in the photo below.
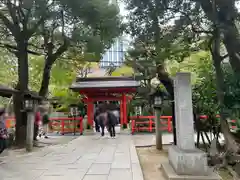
(117, 114)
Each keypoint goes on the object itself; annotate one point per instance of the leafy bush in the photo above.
(124, 126)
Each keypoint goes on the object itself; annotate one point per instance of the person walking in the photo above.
(45, 122)
(109, 120)
(36, 124)
(117, 114)
(3, 131)
(111, 123)
(97, 126)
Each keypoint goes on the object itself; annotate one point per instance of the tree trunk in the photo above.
(45, 79)
(22, 86)
(49, 61)
(21, 120)
(166, 80)
(232, 42)
(224, 17)
(162, 74)
(229, 139)
(23, 75)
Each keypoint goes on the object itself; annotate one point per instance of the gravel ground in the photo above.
(151, 158)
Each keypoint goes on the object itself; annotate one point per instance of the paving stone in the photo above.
(45, 165)
(72, 176)
(121, 164)
(137, 172)
(99, 169)
(73, 173)
(97, 149)
(67, 167)
(54, 172)
(105, 154)
(84, 163)
(67, 160)
(109, 150)
(85, 158)
(104, 159)
(5, 173)
(121, 161)
(27, 175)
(90, 156)
(51, 178)
(95, 177)
(121, 157)
(133, 154)
(122, 150)
(120, 174)
(16, 178)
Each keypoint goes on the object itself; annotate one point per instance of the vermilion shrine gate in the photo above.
(95, 89)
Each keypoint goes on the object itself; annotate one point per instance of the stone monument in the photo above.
(186, 161)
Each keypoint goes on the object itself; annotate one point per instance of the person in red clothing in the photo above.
(36, 125)
(3, 131)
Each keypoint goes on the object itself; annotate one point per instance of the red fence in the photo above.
(59, 124)
(166, 122)
(138, 120)
(66, 125)
(69, 125)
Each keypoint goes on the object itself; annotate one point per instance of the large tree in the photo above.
(192, 20)
(52, 27)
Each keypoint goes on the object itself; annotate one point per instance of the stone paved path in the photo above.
(85, 158)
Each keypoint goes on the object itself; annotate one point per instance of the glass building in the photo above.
(115, 55)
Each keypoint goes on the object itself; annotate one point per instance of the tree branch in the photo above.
(9, 46)
(193, 28)
(40, 21)
(61, 50)
(12, 11)
(66, 42)
(8, 24)
(224, 57)
(25, 21)
(35, 27)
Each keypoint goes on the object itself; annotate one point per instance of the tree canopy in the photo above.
(50, 28)
(172, 30)
(55, 30)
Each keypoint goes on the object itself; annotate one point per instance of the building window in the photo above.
(114, 55)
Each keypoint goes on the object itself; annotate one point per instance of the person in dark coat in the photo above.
(106, 118)
(109, 120)
(101, 121)
(97, 126)
(111, 123)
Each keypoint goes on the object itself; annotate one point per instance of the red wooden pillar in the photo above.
(121, 112)
(124, 109)
(90, 111)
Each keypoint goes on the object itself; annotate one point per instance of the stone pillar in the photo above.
(30, 131)
(158, 130)
(184, 158)
(184, 111)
